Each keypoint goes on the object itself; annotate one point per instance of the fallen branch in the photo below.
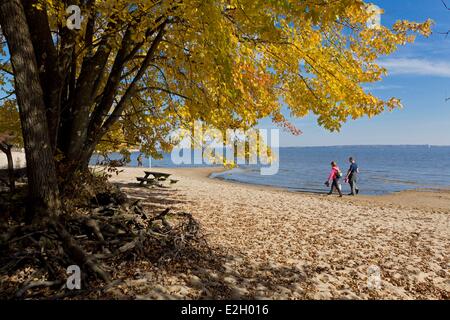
(35, 284)
(78, 254)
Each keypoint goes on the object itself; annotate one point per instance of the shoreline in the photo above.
(325, 190)
(426, 198)
(20, 162)
(208, 172)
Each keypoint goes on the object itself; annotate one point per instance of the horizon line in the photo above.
(369, 145)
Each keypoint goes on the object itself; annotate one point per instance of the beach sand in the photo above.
(287, 245)
(18, 160)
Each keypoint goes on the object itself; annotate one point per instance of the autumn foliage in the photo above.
(136, 71)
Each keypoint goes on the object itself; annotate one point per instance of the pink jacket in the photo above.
(333, 173)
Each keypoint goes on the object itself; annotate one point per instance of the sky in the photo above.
(419, 74)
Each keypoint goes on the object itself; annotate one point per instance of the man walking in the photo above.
(352, 177)
(139, 160)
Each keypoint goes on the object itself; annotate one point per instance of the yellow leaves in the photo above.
(231, 63)
(394, 103)
(403, 27)
(10, 122)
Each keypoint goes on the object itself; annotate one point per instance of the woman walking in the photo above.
(333, 179)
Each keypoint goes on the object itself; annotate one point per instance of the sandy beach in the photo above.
(18, 159)
(286, 245)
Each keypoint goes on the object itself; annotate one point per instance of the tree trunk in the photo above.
(42, 182)
(12, 181)
(47, 62)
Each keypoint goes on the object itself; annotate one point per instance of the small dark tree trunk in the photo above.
(12, 180)
(42, 182)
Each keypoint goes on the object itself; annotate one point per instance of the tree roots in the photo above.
(35, 258)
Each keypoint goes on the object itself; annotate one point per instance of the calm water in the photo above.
(384, 169)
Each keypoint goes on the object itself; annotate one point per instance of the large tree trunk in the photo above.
(42, 182)
(47, 62)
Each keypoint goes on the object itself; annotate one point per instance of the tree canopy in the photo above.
(137, 70)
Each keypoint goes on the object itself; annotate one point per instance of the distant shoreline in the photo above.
(334, 146)
(372, 145)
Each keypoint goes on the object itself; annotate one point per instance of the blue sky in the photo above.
(419, 74)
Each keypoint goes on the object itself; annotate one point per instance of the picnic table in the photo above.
(156, 176)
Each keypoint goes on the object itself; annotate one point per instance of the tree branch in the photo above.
(133, 86)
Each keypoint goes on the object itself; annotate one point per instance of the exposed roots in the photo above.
(34, 259)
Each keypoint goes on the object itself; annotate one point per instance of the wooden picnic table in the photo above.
(157, 176)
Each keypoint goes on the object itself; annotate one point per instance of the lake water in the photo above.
(384, 169)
